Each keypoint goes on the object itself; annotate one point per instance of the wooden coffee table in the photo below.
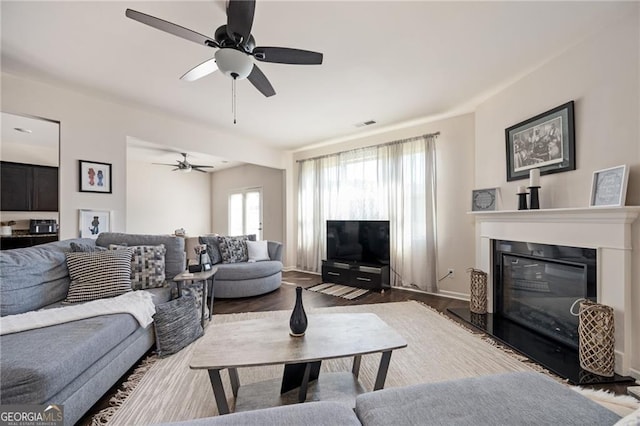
(263, 342)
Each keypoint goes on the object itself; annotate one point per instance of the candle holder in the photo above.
(534, 202)
(522, 201)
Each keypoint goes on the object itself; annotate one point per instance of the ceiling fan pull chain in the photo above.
(234, 101)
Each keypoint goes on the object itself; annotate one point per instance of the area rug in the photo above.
(438, 349)
(338, 290)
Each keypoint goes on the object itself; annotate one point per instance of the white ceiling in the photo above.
(388, 61)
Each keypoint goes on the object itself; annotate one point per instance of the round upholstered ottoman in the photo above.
(247, 279)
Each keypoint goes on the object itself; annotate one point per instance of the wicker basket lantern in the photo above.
(478, 302)
(596, 338)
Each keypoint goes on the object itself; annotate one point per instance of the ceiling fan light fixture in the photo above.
(235, 64)
(187, 169)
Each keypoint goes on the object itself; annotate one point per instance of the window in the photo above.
(245, 212)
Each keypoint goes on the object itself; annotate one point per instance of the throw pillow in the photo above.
(233, 249)
(98, 274)
(177, 324)
(147, 266)
(83, 247)
(258, 251)
(212, 247)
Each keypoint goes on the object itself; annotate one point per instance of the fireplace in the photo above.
(537, 284)
(524, 236)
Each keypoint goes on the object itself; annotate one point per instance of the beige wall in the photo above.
(454, 157)
(602, 75)
(159, 200)
(250, 176)
(92, 128)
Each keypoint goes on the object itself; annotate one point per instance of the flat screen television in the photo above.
(363, 241)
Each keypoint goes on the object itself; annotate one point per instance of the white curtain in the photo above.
(394, 182)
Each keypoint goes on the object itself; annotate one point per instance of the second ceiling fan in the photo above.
(236, 45)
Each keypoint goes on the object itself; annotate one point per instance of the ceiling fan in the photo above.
(184, 165)
(236, 47)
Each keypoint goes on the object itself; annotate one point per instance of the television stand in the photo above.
(356, 274)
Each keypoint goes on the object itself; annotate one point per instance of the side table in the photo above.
(202, 277)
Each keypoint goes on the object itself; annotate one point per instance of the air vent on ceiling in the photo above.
(366, 123)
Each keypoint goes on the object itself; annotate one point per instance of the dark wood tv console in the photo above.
(355, 274)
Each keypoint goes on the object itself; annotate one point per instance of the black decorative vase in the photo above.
(298, 320)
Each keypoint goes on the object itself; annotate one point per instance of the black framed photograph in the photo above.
(545, 142)
(484, 200)
(95, 177)
(93, 222)
(609, 187)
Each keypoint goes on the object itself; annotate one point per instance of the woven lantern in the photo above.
(478, 302)
(596, 338)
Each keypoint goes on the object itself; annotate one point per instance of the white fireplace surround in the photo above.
(608, 230)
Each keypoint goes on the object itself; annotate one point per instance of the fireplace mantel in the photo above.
(606, 229)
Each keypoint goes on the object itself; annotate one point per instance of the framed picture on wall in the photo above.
(544, 142)
(609, 187)
(93, 222)
(95, 177)
(484, 200)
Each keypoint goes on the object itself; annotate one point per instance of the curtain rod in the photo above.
(426, 135)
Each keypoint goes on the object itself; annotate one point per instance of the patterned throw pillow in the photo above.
(233, 249)
(177, 324)
(147, 266)
(212, 247)
(98, 274)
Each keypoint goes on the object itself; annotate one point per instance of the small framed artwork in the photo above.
(93, 222)
(95, 177)
(544, 142)
(609, 187)
(484, 200)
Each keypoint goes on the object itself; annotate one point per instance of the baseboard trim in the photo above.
(453, 295)
(295, 269)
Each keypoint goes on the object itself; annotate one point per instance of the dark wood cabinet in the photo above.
(28, 187)
(14, 242)
(356, 274)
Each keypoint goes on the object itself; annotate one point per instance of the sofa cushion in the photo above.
(174, 258)
(96, 275)
(34, 277)
(319, 413)
(83, 247)
(37, 364)
(247, 271)
(502, 399)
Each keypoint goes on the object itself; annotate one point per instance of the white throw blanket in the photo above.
(136, 303)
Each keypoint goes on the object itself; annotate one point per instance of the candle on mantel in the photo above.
(522, 190)
(534, 177)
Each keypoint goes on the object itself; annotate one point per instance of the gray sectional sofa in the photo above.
(77, 362)
(502, 399)
(245, 279)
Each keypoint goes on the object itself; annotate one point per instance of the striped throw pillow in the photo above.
(96, 275)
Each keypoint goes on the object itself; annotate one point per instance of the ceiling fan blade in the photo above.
(201, 166)
(199, 71)
(198, 170)
(170, 28)
(164, 164)
(286, 55)
(240, 19)
(259, 80)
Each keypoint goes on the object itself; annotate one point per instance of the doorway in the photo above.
(245, 212)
